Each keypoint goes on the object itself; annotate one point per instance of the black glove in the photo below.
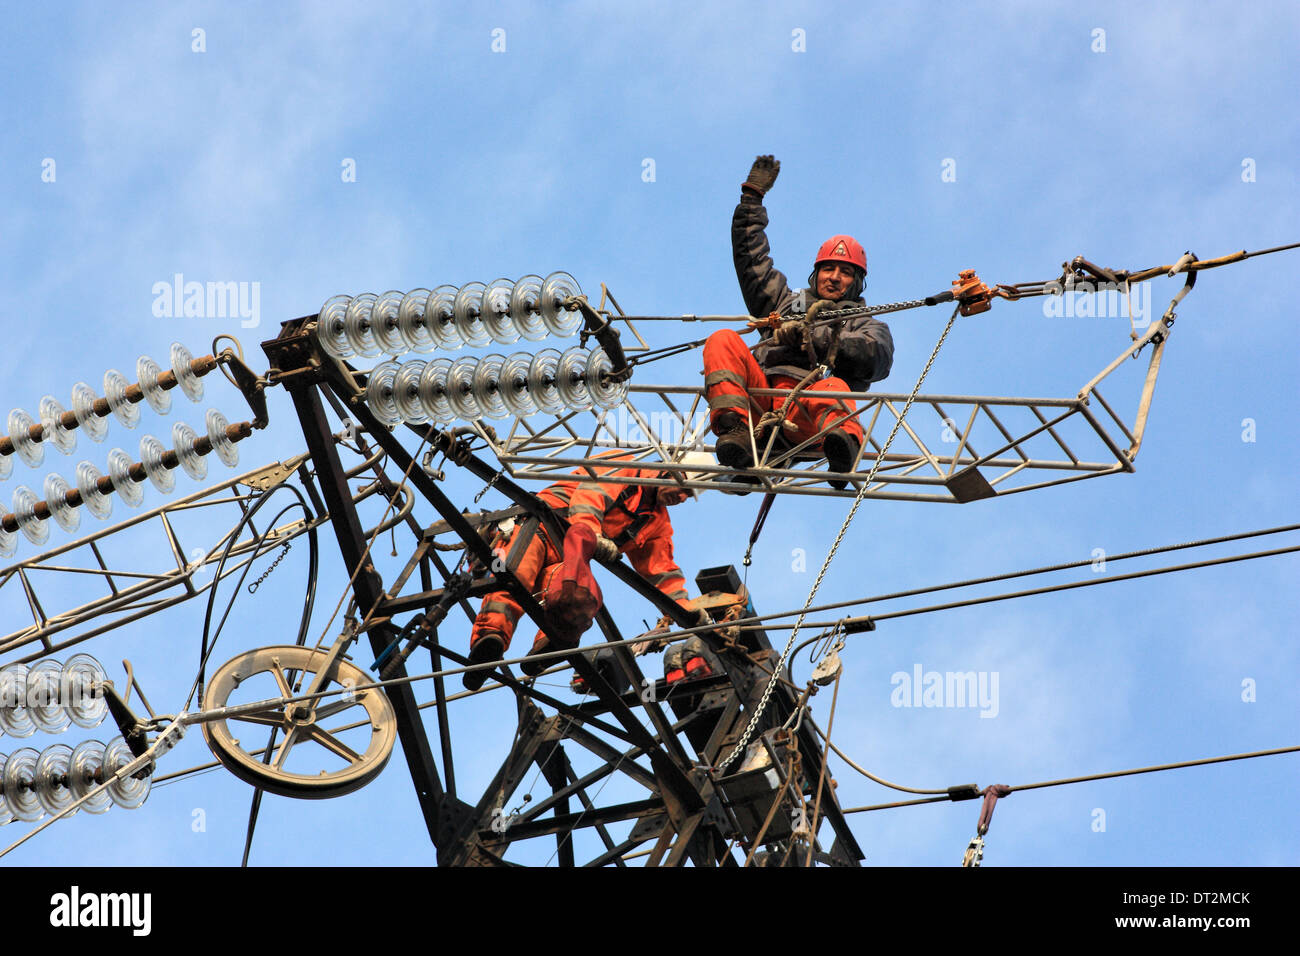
(762, 175)
(606, 550)
(702, 617)
(790, 334)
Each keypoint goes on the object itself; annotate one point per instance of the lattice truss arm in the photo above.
(108, 579)
(951, 448)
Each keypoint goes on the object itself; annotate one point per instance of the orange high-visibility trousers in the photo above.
(500, 611)
(730, 371)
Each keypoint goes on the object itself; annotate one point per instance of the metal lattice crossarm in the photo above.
(109, 585)
(952, 448)
(951, 468)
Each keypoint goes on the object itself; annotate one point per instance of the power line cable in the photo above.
(971, 602)
(1095, 776)
(758, 619)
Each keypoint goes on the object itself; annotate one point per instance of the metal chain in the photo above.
(873, 309)
(488, 487)
(862, 491)
(671, 350)
(252, 588)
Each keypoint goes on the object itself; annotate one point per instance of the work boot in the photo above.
(733, 441)
(674, 664)
(733, 447)
(727, 421)
(694, 659)
(841, 450)
(490, 646)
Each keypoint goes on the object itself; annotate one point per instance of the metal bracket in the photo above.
(274, 474)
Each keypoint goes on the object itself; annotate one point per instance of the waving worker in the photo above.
(860, 351)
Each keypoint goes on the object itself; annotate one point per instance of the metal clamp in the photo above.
(974, 854)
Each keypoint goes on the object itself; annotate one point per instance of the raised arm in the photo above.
(762, 285)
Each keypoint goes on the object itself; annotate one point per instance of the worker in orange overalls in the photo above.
(606, 518)
(861, 353)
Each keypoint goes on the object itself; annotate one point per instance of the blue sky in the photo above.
(228, 165)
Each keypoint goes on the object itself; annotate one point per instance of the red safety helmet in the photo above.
(842, 249)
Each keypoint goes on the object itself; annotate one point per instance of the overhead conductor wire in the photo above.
(755, 621)
(838, 751)
(1096, 776)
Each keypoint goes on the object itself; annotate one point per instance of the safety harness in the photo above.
(639, 518)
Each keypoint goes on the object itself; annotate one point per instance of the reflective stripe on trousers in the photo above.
(730, 371)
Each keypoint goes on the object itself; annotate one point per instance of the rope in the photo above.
(857, 502)
(821, 777)
(776, 417)
(776, 803)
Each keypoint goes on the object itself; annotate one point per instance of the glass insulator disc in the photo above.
(525, 308)
(115, 386)
(119, 469)
(83, 406)
(556, 288)
(183, 368)
(99, 504)
(147, 372)
(184, 439)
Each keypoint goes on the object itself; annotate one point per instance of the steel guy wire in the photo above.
(840, 753)
(750, 622)
(1110, 579)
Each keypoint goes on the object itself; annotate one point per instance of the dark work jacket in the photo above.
(866, 349)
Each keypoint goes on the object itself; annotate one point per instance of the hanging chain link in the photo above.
(862, 491)
(252, 588)
(671, 350)
(486, 488)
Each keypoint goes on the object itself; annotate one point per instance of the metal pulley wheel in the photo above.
(307, 759)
